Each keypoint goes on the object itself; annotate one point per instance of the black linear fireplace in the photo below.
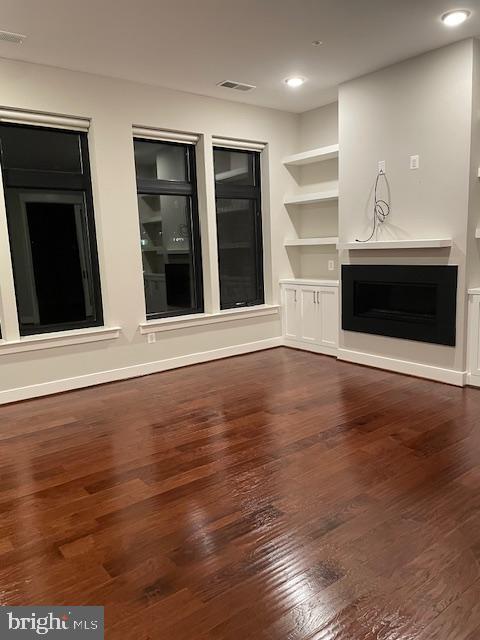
(412, 302)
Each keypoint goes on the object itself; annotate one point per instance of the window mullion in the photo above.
(164, 187)
(8, 301)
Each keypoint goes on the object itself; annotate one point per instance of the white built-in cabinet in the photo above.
(311, 314)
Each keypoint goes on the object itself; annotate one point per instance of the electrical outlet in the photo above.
(381, 166)
(331, 265)
(151, 338)
(414, 162)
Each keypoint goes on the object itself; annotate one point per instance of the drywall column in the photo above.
(208, 223)
(421, 106)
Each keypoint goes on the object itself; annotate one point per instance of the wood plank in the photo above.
(280, 495)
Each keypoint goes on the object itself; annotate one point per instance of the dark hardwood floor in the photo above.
(275, 496)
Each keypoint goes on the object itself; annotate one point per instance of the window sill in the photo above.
(58, 339)
(198, 319)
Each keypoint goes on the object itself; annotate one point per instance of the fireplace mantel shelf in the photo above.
(436, 243)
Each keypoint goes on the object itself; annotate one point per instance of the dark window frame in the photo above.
(252, 193)
(179, 188)
(59, 181)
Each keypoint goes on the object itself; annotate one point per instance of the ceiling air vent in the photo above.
(8, 36)
(238, 86)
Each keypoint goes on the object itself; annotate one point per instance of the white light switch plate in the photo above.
(151, 338)
(331, 265)
(414, 162)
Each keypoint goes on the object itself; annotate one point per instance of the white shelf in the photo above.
(311, 198)
(310, 281)
(398, 244)
(310, 242)
(314, 155)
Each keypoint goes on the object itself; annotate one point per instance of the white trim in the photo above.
(268, 234)
(150, 133)
(450, 376)
(245, 145)
(311, 282)
(101, 377)
(473, 380)
(314, 348)
(198, 319)
(8, 299)
(58, 339)
(36, 118)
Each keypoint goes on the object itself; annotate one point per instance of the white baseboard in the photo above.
(305, 346)
(134, 371)
(473, 380)
(450, 376)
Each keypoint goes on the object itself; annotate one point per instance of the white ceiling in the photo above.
(194, 44)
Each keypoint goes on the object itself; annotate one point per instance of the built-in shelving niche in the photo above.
(313, 209)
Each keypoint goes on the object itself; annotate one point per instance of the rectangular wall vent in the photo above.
(8, 36)
(238, 86)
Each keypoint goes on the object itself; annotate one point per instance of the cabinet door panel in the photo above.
(291, 320)
(308, 314)
(328, 321)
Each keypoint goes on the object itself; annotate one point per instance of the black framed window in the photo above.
(239, 227)
(48, 196)
(169, 227)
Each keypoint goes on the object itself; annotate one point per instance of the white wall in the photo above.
(114, 106)
(319, 127)
(421, 106)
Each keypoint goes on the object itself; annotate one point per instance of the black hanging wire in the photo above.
(381, 208)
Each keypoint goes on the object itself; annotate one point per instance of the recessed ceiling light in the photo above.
(454, 18)
(295, 82)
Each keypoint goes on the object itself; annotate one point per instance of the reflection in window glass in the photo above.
(51, 257)
(233, 167)
(38, 149)
(239, 227)
(168, 264)
(237, 251)
(169, 228)
(160, 161)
